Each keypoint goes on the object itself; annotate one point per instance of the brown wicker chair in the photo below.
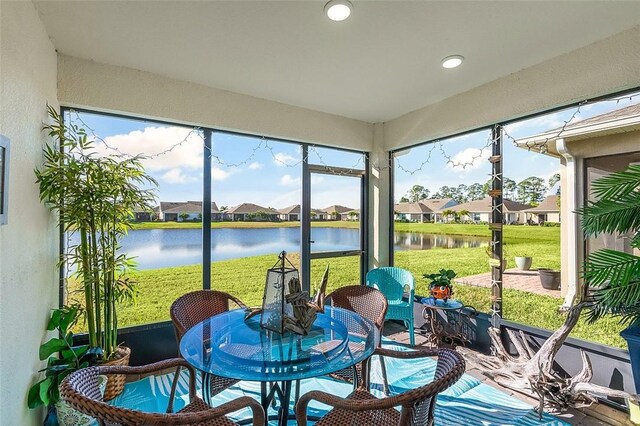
(362, 408)
(369, 303)
(80, 390)
(192, 308)
(195, 307)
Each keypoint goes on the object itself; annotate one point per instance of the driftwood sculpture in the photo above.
(305, 309)
(532, 371)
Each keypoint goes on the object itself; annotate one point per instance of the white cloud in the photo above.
(175, 176)
(468, 160)
(255, 166)
(281, 159)
(288, 180)
(219, 174)
(155, 140)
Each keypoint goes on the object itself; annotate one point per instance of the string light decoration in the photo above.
(437, 145)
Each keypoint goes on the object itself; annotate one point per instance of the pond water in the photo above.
(159, 248)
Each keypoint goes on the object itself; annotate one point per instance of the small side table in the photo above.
(450, 323)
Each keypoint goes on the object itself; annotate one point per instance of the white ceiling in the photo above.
(384, 61)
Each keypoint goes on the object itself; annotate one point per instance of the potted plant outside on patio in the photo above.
(69, 358)
(523, 263)
(615, 275)
(549, 278)
(95, 196)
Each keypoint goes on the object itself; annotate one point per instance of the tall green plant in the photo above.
(614, 274)
(95, 196)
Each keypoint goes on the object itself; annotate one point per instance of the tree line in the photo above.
(531, 191)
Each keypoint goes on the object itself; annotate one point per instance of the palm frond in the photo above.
(618, 184)
(610, 216)
(616, 278)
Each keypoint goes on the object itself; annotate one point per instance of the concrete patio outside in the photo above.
(528, 281)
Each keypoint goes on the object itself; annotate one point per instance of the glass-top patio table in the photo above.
(226, 345)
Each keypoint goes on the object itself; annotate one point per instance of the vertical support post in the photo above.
(62, 244)
(496, 225)
(305, 222)
(391, 206)
(206, 211)
(364, 220)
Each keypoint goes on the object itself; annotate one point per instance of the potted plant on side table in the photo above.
(95, 196)
(614, 275)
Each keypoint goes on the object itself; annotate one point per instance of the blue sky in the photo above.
(266, 172)
(244, 168)
(468, 152)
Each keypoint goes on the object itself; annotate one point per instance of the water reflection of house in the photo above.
(352, 215)
(289, 213)
(480, 211)
(252, 212)
(336, 211)
(429, 210)
(547, 211)
(179, 211)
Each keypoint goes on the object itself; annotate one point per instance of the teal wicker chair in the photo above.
(394, 283)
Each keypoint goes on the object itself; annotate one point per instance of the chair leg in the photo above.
(383, 370)
(412, 333)
(412, 338)
(174, 386)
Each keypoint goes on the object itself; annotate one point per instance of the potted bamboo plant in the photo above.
(95, 196)
(615, 275)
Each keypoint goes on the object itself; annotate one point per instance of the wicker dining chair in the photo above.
(369, 303)
(362, 408)
(80, 390)
(195, 307)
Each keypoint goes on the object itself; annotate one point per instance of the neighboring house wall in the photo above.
(29, 241)
(620, 143)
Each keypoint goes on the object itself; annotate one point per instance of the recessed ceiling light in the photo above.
(338, 10)
(452, 61)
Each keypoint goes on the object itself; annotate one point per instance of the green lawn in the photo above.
(245, 277)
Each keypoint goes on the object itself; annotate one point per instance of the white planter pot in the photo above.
(69, 416)
(524, 262)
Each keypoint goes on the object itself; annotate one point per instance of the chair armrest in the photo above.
(240, 403)
(154, 368)
(413, 353)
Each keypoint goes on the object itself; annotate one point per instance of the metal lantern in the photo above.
(275, 307)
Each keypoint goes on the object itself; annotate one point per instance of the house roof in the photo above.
(549, 204)
(411, 208)
(437, 204)
(336, 208)
(617, 121)
(185, 206)
(356, 211)
(484, 206)
(423, 206)
(248, 208)
(294, 209)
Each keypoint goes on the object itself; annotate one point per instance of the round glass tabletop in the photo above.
(226, 345)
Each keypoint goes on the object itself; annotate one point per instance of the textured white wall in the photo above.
(601, 68)
(110, 88)
(28, 243)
